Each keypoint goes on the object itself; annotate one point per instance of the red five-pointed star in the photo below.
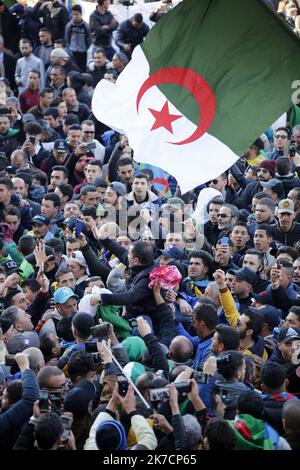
(163, 118)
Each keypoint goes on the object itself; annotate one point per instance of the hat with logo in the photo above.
(263, 297)
(22, 341)
(62, 294)
(173, 252)
(287, 334)
(272, 315)
(10, 267)
(286, 205)
(60, 146)
(40, 220)
(120, 188)
(245, 274)
(274, 184)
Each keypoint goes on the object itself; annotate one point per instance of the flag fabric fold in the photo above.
(201, 88)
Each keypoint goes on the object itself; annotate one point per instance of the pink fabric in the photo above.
(169, 276)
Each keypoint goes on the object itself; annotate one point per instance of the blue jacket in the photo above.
(202, 346)
(13, 419)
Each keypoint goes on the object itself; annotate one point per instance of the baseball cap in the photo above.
(286, 334)
(286, 205)
(10, 267)
(245, 274)
(28, 117)
(174, 202)
(62, 294)
(59, 52)
(22, 341)
(173, 252)
(274, 184)
(263, 297)
(61, 146)
(120, 188)
(272, 315)
(40, 219)
(100, 181)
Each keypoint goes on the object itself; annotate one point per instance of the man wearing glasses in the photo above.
(227, 218)
(229, 194)
(281, 142)
(88, 136)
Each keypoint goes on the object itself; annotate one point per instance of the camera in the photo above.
(4, 111)
(200, 377)
(43, 401)
(183, 387)
(91, 347)
(90, 146)
(132, 322)
(56, 401)
(10, 360)
(122, 385)
(101, 332)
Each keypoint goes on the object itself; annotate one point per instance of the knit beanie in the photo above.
(268, 165)
(135, 347)
(134, 370)
(110, 435)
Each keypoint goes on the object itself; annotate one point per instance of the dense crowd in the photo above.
(133, 316)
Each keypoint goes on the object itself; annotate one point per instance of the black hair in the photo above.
(57, 244)
(80, 364)
(89, 211)
(124, 161)
(206, 258)
(228, 363)
(14, 391)
(46, 345)
(33, 128)
(45, 91)
(62, 271)
(7, 182)
(206, 312)
(267, 228)
(66, 189)
(32, 284)
(220, 435)
(216, 200)
(11, 210)
(250, 403)
(48, 429)
(26, 244)
(283, 166)
(288, 250)
(255, 323)
(77, 8)
(272, 375)
(52, 197)
(296, 311)
(143, 251)
(26, 177)
(61, 168)
(8, 300)
(51, 111)
(228, 336)
(142, 175)
(41, 177)
(35, 71)
(267, 201)
(95, 163)
(72, 120)
(64, 330)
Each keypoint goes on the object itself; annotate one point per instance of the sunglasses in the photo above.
(213, 181)
(223, 216)
(89, 132)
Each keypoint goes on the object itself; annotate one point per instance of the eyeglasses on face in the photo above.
(89, 132)
(223, 216)
(281, 136)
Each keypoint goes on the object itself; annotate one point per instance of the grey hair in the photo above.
(193, 431)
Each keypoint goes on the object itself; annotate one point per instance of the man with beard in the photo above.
(265, 172)
(227, 218)
(249, 326)
(26, 63)
(287, 231)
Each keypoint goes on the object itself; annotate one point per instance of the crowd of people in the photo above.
(133, 316)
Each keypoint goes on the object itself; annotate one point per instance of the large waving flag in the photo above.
(208, 79)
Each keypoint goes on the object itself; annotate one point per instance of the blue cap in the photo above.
(62, 294)
(173, 252)
(272, 315)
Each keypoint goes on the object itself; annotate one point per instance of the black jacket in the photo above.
(55, 18)
(289, 238)
(211, 232)
(138, 298)
(10, 30)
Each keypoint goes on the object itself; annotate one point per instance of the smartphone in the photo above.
(67, 422)
(200, 377)
(224, 240)
(32, 139)
(78, 228)
(10, 360)
(157, 394)
(44, 401)
(5, 111)
(132, 322)
(122, 385)
(90, 146)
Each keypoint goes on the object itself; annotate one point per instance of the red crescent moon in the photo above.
(196, 85)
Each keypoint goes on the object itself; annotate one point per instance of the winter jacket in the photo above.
(13, 419)
(10, 30)
(289, 238)
(77, 36)
(250, 190)
(24, 210)
(158, 357)
(202, 346)
(102, 37)
(128, 34)
(55, 17)
(9, 142)
(282, 300)
(273, 405)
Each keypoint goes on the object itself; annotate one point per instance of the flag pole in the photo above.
(127, 377)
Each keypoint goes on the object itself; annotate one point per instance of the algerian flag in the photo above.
(210, 77)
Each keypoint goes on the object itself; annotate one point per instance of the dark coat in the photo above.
(287, 238)
(55, 18)
(102, 37)
(9, 67)
(10, 30)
